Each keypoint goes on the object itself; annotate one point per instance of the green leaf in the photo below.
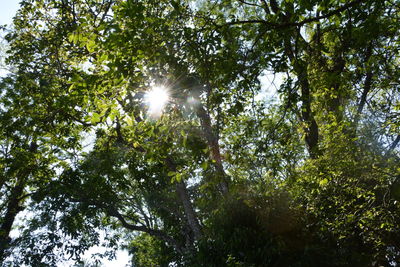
(90, 45)
(95, 118)
(204, 165)
(323, 182)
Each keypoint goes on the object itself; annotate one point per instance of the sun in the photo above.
(156, 99)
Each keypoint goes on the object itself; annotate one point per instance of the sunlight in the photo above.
(156, 99)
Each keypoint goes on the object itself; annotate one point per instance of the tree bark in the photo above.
(212, 141)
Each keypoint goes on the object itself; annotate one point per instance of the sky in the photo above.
(8, 8)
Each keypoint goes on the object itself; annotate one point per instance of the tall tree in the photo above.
(211, 176)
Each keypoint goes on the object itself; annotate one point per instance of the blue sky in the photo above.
(8, 8)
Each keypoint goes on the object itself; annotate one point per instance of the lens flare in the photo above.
(156, 99)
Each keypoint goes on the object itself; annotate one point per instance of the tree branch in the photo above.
(367, 88)
(183, 195)
(157, 233)
(247, 3)
(212, 141)
(296, 24)
(393, 145)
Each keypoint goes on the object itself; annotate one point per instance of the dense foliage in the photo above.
(228, 173)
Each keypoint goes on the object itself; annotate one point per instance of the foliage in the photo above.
(223, 176)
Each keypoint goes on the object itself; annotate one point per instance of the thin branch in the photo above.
(247, 3)
(367, 85)
(296, 24)
(113, 212)
(265, 7)
(393, 145)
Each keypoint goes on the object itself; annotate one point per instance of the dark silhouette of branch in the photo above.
(367, 88)
(113, 212)
(393, 145)
(296, 24)
(157, 233)
(247, 3)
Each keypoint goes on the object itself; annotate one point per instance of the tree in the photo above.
(217, 178)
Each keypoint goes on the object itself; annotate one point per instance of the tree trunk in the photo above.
(183, 196)
(189, 211)
(212, 141)
(307, 116)
(13, 208)
(13, 205)
(334, 101)
(311, 126)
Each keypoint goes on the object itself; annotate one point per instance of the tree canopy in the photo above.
(147, 126)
